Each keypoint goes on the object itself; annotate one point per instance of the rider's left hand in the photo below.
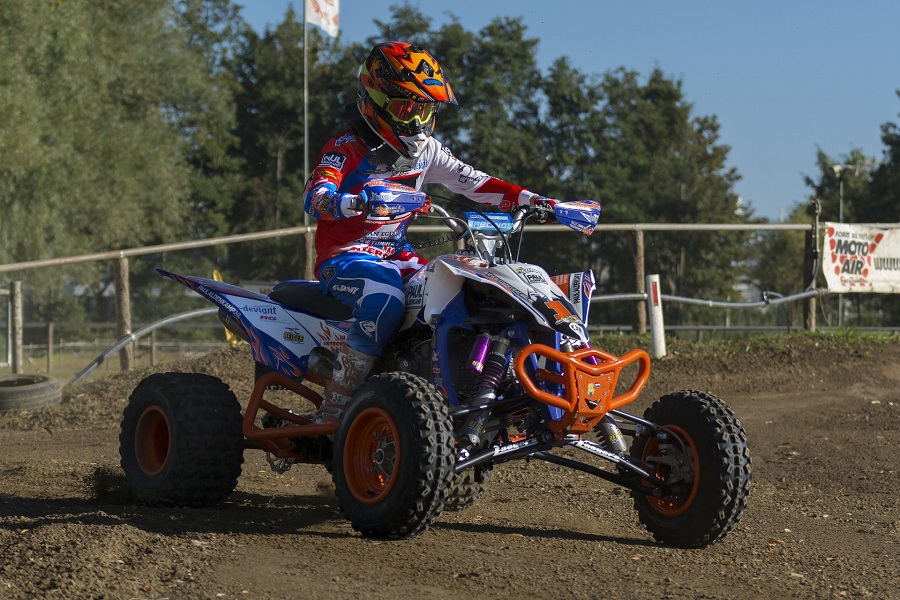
(545, 205)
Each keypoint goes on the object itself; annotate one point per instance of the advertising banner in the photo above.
(861, 258)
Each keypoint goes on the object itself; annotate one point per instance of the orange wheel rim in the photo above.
(152, 440)
(673, 504)
(371, 456)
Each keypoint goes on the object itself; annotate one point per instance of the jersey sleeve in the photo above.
(322, 196)
(475, 185)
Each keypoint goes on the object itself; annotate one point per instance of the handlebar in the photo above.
(520, 214)
(455, 225)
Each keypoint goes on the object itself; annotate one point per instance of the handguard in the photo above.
(588, 389)
(580, 215)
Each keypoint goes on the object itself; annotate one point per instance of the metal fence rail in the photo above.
(119, 259)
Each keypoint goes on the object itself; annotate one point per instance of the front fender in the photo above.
(527, 285)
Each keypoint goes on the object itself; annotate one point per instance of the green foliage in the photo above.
(127, 124)
(103, 97)
(851, 341)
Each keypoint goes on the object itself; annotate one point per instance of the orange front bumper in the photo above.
(588, 389)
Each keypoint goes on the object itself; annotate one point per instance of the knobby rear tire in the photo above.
(181, 442)
(708, 506)
(393, 456)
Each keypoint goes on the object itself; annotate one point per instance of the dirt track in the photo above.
(823, 519)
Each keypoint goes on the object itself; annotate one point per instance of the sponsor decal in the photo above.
(217, 299)
(575, 289)
(515, 446)
(472, 261)
(470, 179)
(328, 174)
(595, 449)
(293, 335)
(415, 293)
(267, 318)
(334, 160)
(263, 310)
(330, 338)
(344, 289)
(436, 378)
(368, 327)
(578, 330)
(432, 81)
(326, 274)
(534, 278)
(344, 139)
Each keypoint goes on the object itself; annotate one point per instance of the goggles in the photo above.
(410, 112)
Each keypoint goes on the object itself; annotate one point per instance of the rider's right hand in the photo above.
(354, 204)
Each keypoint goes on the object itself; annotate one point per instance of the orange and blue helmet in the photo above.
(401, 87)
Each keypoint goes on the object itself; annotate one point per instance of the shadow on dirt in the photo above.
(111, 502)
(533, 533)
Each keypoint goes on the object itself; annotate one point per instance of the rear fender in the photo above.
(280, 338)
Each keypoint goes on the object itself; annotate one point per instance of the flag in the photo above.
(324, 14)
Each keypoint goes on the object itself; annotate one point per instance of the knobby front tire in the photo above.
(393, 456)
(711, 475)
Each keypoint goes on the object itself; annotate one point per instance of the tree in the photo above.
(637, 148)
(206, 113)
(270, 127)
(94, 158)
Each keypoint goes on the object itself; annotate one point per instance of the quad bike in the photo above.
(492, 364)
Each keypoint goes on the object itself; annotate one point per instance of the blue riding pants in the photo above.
(374, 288)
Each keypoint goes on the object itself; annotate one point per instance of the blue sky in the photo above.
(782, 78)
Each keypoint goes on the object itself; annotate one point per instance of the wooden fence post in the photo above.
(123, 311)
(50, 327)
(17, 335)
(811, 267)
(639, 319)
(309, 255)
(810, 262)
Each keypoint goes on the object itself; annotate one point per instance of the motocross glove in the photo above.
(352, 205)
(543, 206)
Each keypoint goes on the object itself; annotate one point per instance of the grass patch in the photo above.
(848, 340)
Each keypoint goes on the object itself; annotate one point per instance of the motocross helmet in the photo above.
(401, 87)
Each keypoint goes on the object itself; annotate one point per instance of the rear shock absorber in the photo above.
(492, 373)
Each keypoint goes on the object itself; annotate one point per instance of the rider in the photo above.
(361, 261)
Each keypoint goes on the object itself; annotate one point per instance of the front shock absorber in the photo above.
(494, 368)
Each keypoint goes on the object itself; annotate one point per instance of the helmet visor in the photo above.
(409, 112)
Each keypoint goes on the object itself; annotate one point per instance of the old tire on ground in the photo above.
(181, 442)
(28, 392)
(468, 487)
(393, 456)
(709, 466)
